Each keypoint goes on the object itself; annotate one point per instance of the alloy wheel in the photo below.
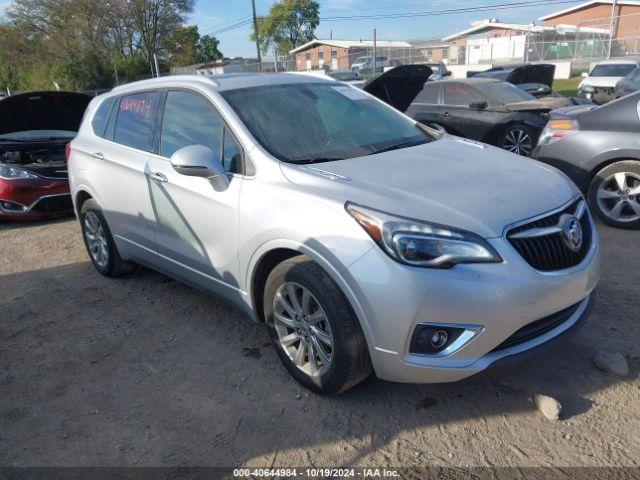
(619, 197)
(518, 141)
(96, 239)
(303, 329)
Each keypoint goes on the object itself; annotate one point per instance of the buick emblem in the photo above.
(571, 232)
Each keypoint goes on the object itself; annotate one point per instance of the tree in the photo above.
(184, 47)
(289, 24)
(155, 22)
(208, 47)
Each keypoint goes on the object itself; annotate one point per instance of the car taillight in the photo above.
(67, 151)
(557, 130)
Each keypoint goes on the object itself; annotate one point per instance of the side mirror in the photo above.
(478, 105)
(447, 73)
(197, 161)
(585, 74)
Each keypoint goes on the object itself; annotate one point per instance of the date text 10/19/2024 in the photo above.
(315, 473)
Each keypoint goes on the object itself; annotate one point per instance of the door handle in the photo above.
(98, 155)
(158, 177)
(446, 114)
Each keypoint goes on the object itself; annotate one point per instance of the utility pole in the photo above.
(155, 62)
(612, 26)
(375, 51)
(255, 28)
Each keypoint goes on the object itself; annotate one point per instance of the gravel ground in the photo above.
(145, 371)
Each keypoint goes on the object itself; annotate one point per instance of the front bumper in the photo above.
(34, 198)
(501, 298)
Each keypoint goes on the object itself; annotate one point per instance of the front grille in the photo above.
(539, 327)
(57, 204)
(548, 251)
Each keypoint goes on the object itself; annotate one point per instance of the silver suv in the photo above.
(363, 240)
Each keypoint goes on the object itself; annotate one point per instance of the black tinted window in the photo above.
(189, 119)
(135, 120)
(429, 94)
(101, 117)
(459, 94)
(231, 153)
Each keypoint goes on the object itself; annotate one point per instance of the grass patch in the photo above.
(568, 88)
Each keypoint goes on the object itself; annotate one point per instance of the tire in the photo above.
(349, 362)
(614, 194)
(105, 257)
(518, 139)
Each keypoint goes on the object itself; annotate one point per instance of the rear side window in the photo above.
(101, 117)
(429, 94)
(189, 119)
(135, 120)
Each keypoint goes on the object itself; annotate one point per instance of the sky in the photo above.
(212, 15)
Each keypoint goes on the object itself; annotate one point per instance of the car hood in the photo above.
(602, 82)
(541, 73)
(543, 104)
(451, 181)
(399, 86)
(42, 111)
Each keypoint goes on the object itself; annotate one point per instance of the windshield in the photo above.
(39, 134)
(612, 70)
(316, 122)
(502, 93)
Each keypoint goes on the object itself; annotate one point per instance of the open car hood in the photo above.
(42, 111)
(540, 73)
(399, 86)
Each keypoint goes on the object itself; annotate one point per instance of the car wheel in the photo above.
(313, 329)
(99, 242)
(614, 194)
(518, 139)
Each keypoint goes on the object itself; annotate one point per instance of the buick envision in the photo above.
(362, 239)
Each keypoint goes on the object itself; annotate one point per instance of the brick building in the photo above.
(340, 54)
(597, 14)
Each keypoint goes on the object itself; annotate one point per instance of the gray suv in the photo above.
(363, 240)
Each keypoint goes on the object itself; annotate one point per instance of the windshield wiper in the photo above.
(398, 146)
(307, 161)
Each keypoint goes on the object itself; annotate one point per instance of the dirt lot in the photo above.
(145, 371)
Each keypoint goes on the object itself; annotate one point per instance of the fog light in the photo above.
(12, 206)
(441, 340)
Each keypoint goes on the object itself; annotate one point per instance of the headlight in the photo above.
(557, 130)
(9, 172)
(422, 244)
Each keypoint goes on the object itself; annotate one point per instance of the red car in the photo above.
(35, 128)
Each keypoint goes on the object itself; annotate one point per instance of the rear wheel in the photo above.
(99, 242)
(518, 139)
(312, 327)
(614, 194)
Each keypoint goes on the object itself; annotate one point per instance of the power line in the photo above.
(450, 11)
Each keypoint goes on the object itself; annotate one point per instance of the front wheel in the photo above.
(313, 329)
(99, 242)
(518, 139)
(614, 194)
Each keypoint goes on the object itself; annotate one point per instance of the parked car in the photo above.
(439, 69)
(597, 147)
(35, 127)
(483, 109)
(600, 83)
(365, 63)
(361, 238)
(629, 84)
